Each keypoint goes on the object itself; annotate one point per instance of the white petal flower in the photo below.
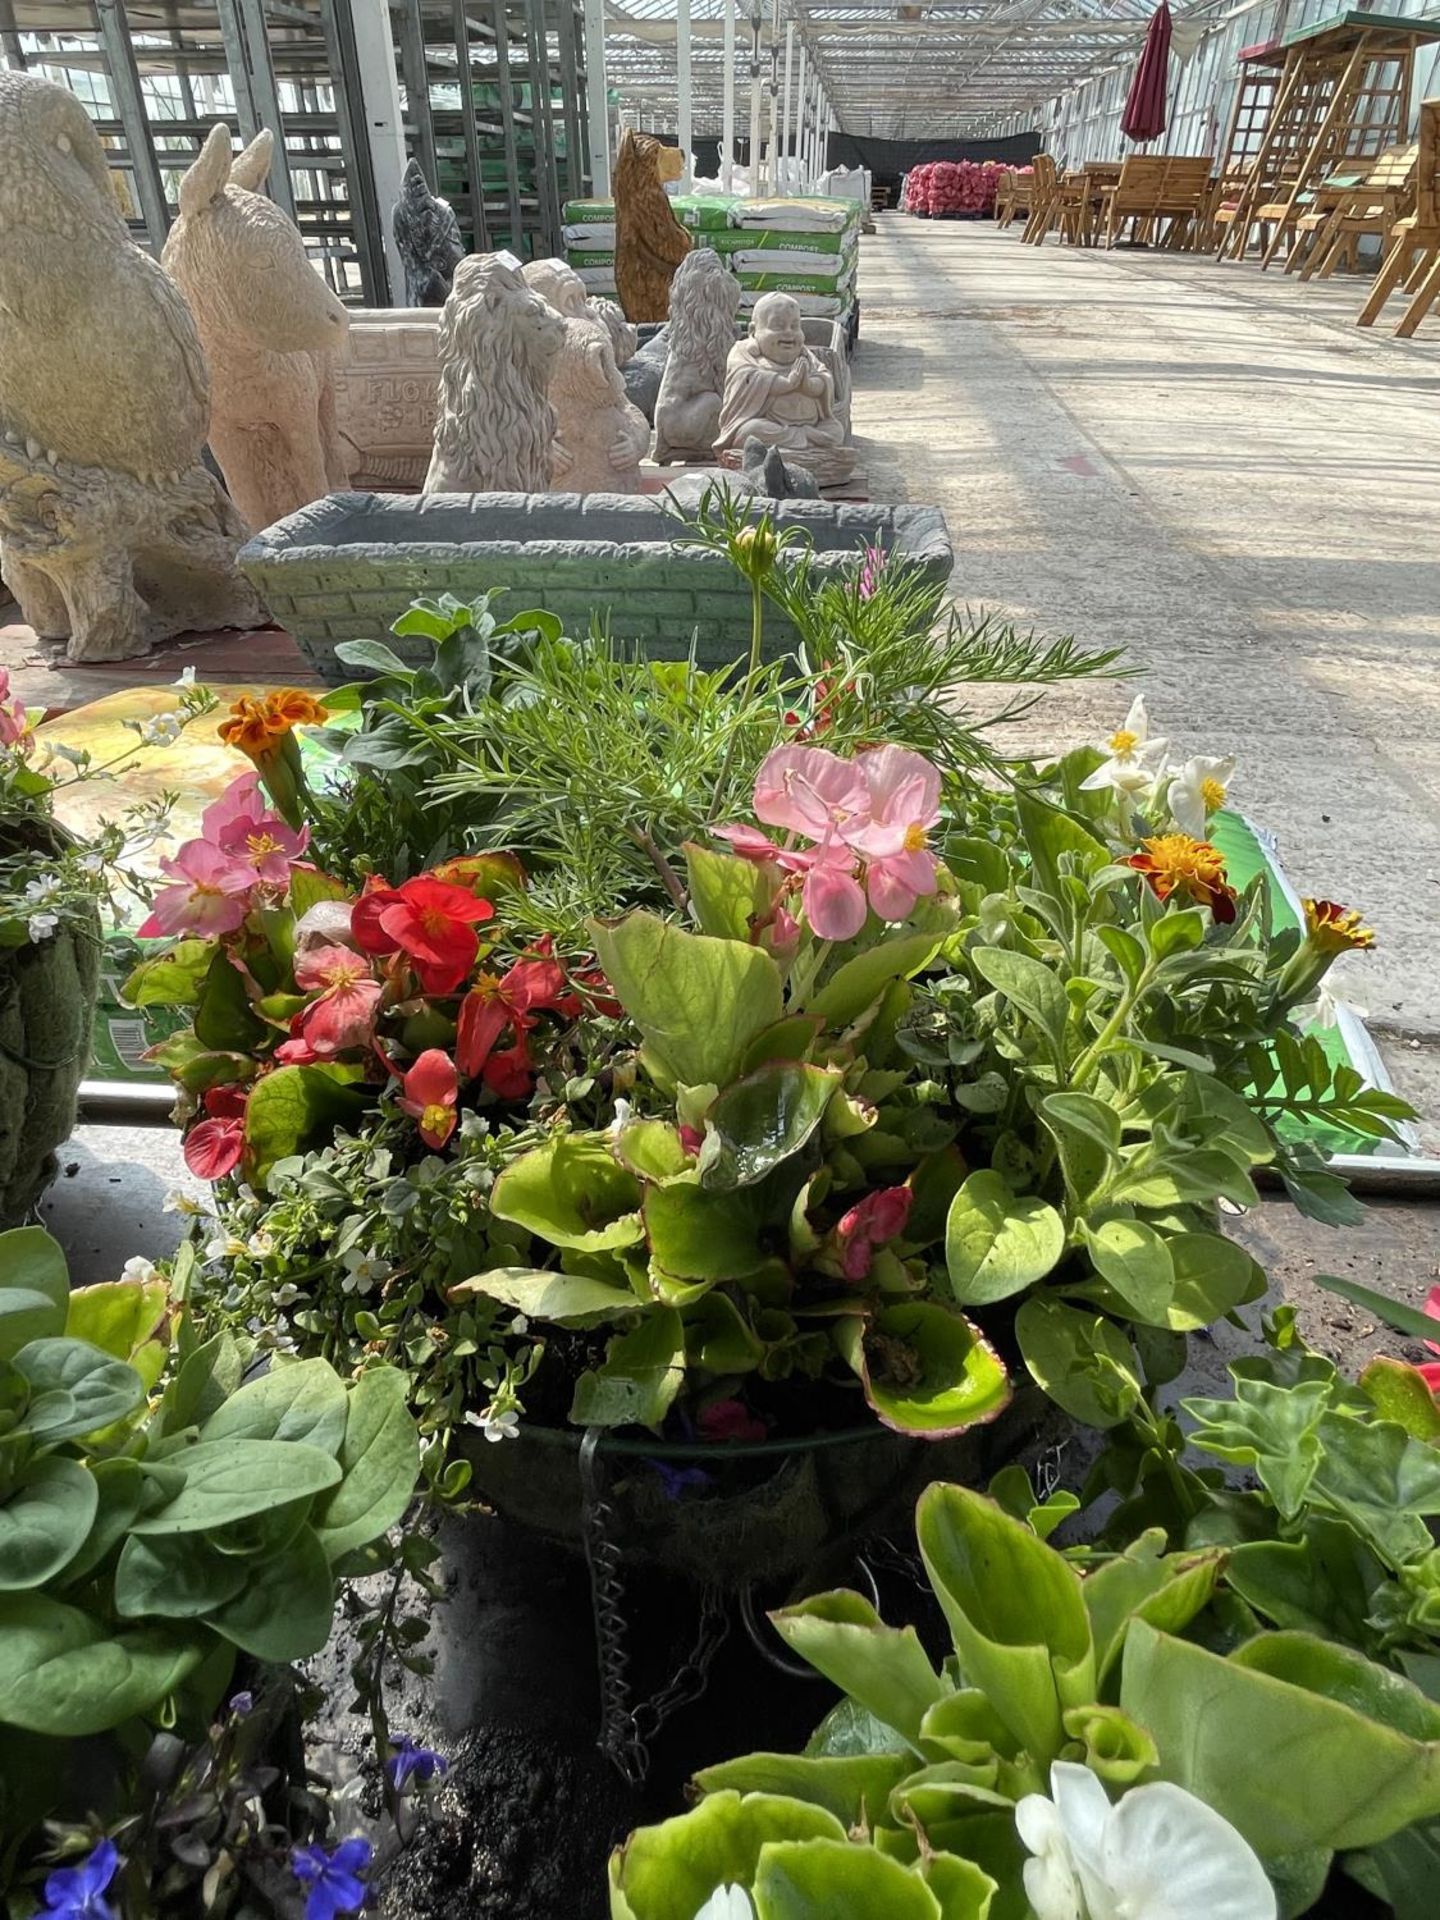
(727, 1903)
(177, 1202)
(1133, 762)
(225, 1246)
(162, 729)
(286, 1294)
(1159, 1854)
(363, 1271)
(138, 1269)
(187, 678)
(40, 926)
(621, 1120)
(496, 1426)
(260, 1244)
(1199, 789)
(92, 864)
(40, 892)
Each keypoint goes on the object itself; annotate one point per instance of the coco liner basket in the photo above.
(48, 991)
(767, 1511)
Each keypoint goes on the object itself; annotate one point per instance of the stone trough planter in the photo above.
(347, 567)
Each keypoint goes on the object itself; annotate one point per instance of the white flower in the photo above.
(1199, 789)
(621, 1120)
(225, 1246)
(92, 863)
(138, 1269)
(363, 1271)
(519, 1324)
(162, 729)
(1133, 760)
(1159, 1854)
(286, 1294)
(40, 926)
(42, 891)
(496, 1426)
(727, 1903)
(178, 1202)
(260, 1244)
(187, 678)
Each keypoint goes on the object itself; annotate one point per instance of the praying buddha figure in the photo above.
(778, 391)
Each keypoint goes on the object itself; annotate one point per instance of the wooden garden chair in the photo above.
(1354, 211)
(1021, 197)
(1044, 193)
(1418, 233)
(1004, 197)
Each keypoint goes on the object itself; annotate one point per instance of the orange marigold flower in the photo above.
(293, 707)
(1174, 863)
(255, 726)
(1336, 929)
(248, 727)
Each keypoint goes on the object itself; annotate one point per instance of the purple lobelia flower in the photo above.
(241, 1704)
(78, 1893)
(409, 1761)
(335, 1881)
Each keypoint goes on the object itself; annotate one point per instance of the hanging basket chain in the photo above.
(628, 1728)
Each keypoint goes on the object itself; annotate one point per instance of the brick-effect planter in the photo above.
(347, 567)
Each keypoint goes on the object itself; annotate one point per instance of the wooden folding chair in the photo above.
(1419, 233)
(1369, 210)
(1044, 193)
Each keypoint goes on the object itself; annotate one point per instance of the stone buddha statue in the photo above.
(778, 391)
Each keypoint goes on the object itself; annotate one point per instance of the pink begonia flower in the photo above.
(428, 1094)
(240, 824)
(809, 790)
(869, 1224)
(1429, 1370)
(729, 1420)
(211, 894)
(833, 898)
(343, 1014)
(904, 796)
(13, 724)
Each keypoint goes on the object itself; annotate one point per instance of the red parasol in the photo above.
(1144, 115)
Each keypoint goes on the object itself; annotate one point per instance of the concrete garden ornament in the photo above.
(704, 299)
(268, 324)
(498, 341)
(600, 438)
(777, 390)
(112, 533)
(428, 237)
(650, 242)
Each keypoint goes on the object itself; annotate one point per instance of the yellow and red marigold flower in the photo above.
(1174, 863)
(1335, 929)
(255, 726)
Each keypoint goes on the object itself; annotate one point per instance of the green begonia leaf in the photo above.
(1295, 1741)
(925, 1368)
(1399, 1392)
(885, 1668)
(996, 1243)
(1082, 1360)
(573, 1193)
(44, 1521)
(1145, 1582)
(304, 1400)
(296, 1107)
(1114, 1747)
(764, 1119)
(228, 1480)
(34, 1288)
(1016, 1613)
(836, 1880)
(380, 1459)
(173, 978)
(569, 1299)
(695, 1235)
(854, 1787)
(726, 892)
(858, 983)
(62, 1674)
(669, 1871)
(698, 1001)
(121, 1317)
(642, 1372)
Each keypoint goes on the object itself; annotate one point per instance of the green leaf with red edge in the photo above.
(924, 1368)
(296, 1108)
(171, 979)
(1399, 1393)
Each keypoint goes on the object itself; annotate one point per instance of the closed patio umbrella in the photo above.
(1144, 115)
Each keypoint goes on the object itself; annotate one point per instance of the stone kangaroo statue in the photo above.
(268, 324)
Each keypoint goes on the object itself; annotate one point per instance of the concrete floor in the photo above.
(1215, 469)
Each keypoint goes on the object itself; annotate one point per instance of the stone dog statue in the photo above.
(495, 426)
(112, 533)
(778, 391)
(650, 242)
(704, 299)
(428, 237)
(268, 323)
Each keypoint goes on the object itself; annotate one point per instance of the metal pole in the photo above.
(755, 25)
(682, 85)
(417, 88)
(727, 102)
(237, 60)
(570, 99)
(11, 52)
(784, 141)
(801, 96)
(507, 127)
(125, 79)
(355, 149)
(546, 183)
(265, 98)
(460, 27)
(384, 124)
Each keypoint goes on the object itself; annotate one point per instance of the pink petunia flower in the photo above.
(428, 1095)
(343, 1013)
(211, 894)
(240, 824)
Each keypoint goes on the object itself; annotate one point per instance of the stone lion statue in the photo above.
(600, 439)
(112, 533)
(494, 425)
(623, 337)
(650, 242)
(704, 300)
(269, 325)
